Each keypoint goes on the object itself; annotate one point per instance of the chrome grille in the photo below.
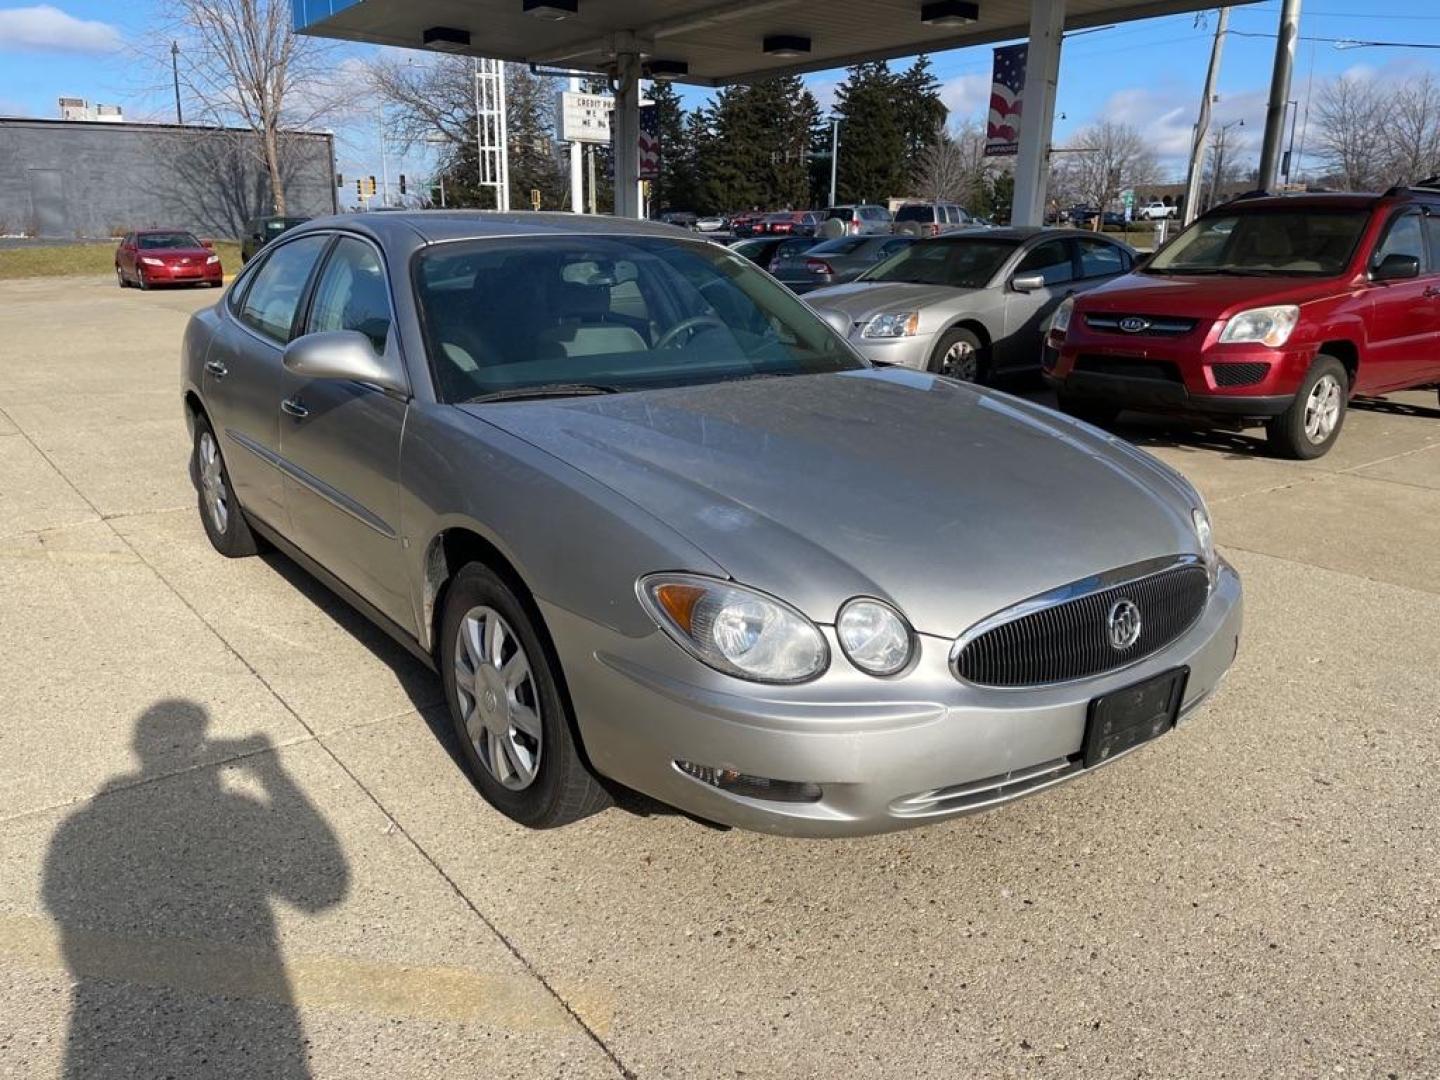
(993, 789)
(1064, 635)
(1144, 325)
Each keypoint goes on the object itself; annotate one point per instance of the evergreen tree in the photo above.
(872, 140)
(921, 115)
(675, 187)
(530, 130)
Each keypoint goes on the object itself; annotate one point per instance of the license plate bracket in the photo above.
(1123, 719)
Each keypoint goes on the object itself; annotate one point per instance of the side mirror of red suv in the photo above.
(1396, 267)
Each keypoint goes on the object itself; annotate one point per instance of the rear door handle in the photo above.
(1431, 291)
(294, 408)
(216, 368)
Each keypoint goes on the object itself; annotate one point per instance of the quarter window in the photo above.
(1406, 236)
(1051, 260)
(270, 304)
(352, 294)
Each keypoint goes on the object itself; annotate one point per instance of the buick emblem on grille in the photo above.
(1133, 324)
(1123, 624)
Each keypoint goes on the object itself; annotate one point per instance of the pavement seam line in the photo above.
(1331, 569)
(514, 951)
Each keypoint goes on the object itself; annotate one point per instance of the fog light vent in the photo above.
(751, 787)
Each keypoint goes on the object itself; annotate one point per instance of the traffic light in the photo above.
(339, 180)
(370, 186)
(402, 183)
(359, 188)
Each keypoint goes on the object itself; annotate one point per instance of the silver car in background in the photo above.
(970, 305)
(655, 524)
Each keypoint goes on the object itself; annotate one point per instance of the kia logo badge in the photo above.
(1133, 324)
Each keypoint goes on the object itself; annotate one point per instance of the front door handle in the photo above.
(1431, 291)
(216, 368)
(294, 408)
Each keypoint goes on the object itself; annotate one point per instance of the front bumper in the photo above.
(911, 352)
(181, 275)
(887, 753)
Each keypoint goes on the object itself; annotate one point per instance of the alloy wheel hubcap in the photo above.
(959, 362)
(1322, 409)
(212, 482)
(499, 698)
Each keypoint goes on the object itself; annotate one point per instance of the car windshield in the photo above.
(960, 263)
(843, 246)
(1259, 242)
(599, 314)
(156, 240)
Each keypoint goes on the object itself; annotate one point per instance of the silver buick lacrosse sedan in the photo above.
(656, 524)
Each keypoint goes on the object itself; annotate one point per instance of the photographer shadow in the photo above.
(163, 894)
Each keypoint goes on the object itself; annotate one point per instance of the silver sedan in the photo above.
(656, 525)
(972, 304)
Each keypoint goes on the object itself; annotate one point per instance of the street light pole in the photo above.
(834, 154)
(175, 73)
(1279, 93)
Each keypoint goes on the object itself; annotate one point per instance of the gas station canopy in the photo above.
(716, 43)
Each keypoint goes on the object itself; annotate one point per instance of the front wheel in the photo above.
(958, 354)
(508, 708)
(1310, 426)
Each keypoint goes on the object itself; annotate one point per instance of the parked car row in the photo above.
(803, 265)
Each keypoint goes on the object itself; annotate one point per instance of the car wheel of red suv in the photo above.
(1310, 426)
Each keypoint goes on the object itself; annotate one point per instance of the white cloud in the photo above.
(44, 28)
(966, 96)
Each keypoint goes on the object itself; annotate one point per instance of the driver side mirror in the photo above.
(340, 354)
(1396, 267)
(1028, 282)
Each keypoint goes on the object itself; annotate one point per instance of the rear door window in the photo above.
(1099, 259)
(274, 297)
(1432, 233)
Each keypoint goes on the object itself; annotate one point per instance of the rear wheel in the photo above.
(510, 713)
(1310, 426)
(1091, 410)
(959, 354)
(220, 511)
(120, 278)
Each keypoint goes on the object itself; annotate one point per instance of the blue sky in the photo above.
(1148, 73)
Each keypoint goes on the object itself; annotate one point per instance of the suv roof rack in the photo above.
(1430, 183)
(1258, 193)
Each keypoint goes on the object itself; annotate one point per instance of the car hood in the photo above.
(862, 300)
(175, 253)
(948, 500)
(1203, 296)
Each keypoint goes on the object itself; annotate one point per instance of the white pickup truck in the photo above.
(1155, 211)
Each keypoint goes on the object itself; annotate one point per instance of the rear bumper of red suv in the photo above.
(1184, 373)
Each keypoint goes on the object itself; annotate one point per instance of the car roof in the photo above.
(1018, 233)
(438, 226)
(1308, 200)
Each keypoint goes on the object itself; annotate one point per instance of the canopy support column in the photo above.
(1037, 120)
(625, 129)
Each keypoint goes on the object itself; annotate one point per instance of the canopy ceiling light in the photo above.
(668, 70)
(446, 39)
(551, 10)
(949, 13)
(786, 45)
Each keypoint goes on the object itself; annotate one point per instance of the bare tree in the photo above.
(1105, 159)
(244, 66)
(954, 167)
(427, 99)
(1412, 133)
(1348, 114)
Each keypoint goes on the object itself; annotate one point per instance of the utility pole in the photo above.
(1220, 160)
(834, 154)
(1279, 93)
(175, 72)
(384, 162)
(1202, 124)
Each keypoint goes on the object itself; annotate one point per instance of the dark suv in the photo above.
(1268, 308)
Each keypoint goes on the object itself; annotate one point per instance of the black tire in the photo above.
(141, 283)
(120, 277)
(564, 789)
(1287, 434)
(1091, 410)
(978, 364)
(233, 538)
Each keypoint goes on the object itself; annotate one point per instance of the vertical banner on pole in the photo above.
(649, 141)
(1007, 92)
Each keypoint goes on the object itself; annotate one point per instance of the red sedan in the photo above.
(166, 257)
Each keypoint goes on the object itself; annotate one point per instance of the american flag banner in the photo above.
(1002, 131)
(649, 142)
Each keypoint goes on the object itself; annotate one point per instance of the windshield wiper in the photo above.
(521, 393)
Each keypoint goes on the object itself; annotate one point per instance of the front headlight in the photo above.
(735, 630)
(893, 324)
(874, 637)
(212, 260)
(1204, 534)
(1060, 321)
(1267, 325)
(148, 261)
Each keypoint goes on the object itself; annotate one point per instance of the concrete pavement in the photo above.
(232, 843)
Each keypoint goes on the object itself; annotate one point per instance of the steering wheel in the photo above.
(690, 325)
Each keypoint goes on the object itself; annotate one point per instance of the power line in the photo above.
(1348, 43)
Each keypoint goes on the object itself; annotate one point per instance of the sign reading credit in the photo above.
(585, 118)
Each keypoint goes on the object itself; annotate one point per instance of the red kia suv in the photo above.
(1269, 308)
